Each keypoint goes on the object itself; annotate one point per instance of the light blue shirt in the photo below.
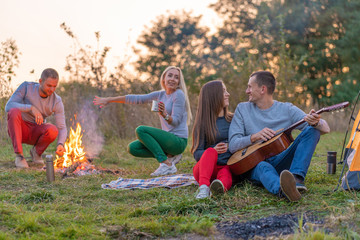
(174, 105)
(249, 119)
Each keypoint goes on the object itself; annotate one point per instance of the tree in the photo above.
(334, 52)
(87, 64)
(9, 59)
(316, 38)
(259, 29)
(89, 77)
(176, 39)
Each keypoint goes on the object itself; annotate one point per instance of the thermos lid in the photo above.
(331, 157)
(49, 158)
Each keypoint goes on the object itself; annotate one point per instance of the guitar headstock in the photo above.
(334, 107)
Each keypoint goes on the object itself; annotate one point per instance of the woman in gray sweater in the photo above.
(168, 143)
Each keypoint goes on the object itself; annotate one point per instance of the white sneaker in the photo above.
(35, 157)
(164, 169)
(217, 187)
(204, 192)
(20, 162)
(175, 159)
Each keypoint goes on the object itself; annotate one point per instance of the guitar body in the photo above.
(247, 158)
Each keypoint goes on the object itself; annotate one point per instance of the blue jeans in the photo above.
(296, 159)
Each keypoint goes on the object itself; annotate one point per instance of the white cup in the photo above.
(155, 106)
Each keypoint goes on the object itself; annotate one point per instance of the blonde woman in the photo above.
(168, 143)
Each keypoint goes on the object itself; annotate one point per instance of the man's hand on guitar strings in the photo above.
(263, 135)
(312, 118)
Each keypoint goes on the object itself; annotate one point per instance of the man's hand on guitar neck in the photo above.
(312, 118)
(263, 135)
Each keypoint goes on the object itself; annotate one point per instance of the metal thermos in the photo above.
(331, 162)
(50, 174)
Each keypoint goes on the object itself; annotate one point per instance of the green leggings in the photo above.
(154, 142)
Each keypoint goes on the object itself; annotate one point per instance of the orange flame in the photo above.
(74, 151)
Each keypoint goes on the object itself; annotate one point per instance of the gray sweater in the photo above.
(249, 119)
(27, 95)
(174, 105)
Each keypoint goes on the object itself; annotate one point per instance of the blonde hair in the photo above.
(181, 86)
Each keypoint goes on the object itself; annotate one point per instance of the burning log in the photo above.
(71, 169)
(74, 151)
(74, 158)
(79, 169)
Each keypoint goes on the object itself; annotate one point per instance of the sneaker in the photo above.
(204, 192)
(175, 159)
(300, 186)
(288, 186)
(20, 162)
(164, 169)
(217, 187)
(35, 157)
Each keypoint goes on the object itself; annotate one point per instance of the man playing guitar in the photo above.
(258, 120)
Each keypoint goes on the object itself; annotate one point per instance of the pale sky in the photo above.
(35, 26)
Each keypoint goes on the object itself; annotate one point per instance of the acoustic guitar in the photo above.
(247, 158)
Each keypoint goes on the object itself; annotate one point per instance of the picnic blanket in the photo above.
(172, 181)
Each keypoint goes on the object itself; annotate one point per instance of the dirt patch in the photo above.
(276, 225)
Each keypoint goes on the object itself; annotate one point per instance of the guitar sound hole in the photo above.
(243, 152)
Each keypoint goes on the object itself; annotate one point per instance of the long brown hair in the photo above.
(211, 102)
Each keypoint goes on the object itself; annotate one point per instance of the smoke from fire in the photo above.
(93, 139)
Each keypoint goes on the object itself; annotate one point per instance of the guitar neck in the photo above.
(335, 107)
(293, 126)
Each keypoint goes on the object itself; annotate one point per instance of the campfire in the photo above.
(74, 160)
(74, 151)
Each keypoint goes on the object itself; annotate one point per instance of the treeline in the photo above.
(311, 47)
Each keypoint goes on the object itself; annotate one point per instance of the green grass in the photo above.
(78, 208)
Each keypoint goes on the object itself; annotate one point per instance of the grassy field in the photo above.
(78, 208)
